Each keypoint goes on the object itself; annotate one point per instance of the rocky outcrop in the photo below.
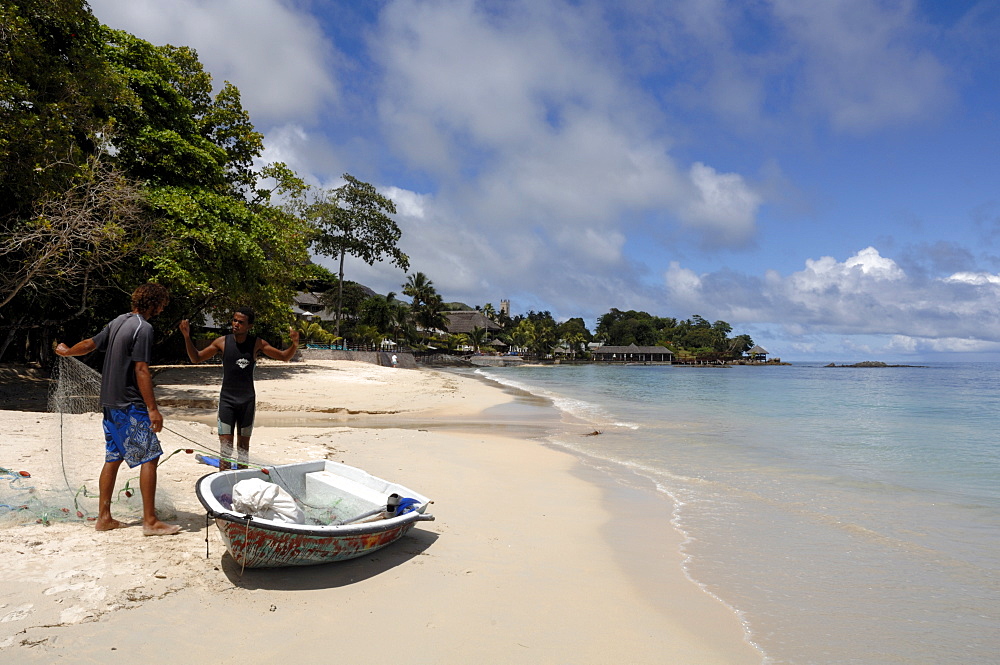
(871, 363)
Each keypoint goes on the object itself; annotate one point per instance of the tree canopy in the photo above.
(121, 166)
(354, 219)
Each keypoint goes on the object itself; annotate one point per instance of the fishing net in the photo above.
(55, 475)
(74, 387)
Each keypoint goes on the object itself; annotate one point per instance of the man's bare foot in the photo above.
(160, 529)
(107, 525)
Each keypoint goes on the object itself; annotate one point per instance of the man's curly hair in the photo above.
(150, 296)
(249, 313)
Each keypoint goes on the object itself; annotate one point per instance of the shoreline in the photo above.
(509, 572)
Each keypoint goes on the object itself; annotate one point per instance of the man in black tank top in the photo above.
(237, 400)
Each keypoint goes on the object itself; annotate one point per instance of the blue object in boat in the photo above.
(406, 505)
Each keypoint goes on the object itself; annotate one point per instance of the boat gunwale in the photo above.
(203, 492)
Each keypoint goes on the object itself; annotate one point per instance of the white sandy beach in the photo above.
(533, 557)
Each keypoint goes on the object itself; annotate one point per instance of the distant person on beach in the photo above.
(237, 400)
(131, 418)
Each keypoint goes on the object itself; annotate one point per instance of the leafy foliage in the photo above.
(694, 337)
(354, 219)
(120, 166)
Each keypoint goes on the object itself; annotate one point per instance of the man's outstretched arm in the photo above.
(278, 354)
(78, 349)
(194, 355)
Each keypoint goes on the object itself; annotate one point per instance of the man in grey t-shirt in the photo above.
(131, 417)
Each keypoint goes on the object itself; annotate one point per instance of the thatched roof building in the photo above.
(632, 354)
(464, 322)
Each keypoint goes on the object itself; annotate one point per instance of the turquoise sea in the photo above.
(846, 515)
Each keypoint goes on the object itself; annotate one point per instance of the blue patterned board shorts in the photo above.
(129, 436)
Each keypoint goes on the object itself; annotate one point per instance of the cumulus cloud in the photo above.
(976, 278)
(275, 54)
(546, 131)
(865, 294)
(724, 202)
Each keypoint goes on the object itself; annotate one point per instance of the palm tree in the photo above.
(419, 288)
(477, 336)
(368, 335)
(575, 341)
(314, 332)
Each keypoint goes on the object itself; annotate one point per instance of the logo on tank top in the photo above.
(242, 363)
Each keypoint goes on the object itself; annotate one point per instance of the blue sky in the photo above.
(824, 176)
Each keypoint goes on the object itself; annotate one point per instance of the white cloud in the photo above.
(859, 65)
(865, 295)
(408, 204)
(278, 57)
(683, 285)
(724, 203)
(857, 274)
(862, 62)
(975, 278)
(540, 124)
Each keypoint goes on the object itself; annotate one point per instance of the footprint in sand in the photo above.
(17, 614)
(66, 587)
(75, 615)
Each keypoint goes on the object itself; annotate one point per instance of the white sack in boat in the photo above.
(257, 497)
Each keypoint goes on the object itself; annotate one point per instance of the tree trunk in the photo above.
(340, 290)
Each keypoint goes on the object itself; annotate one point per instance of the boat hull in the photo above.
(261, 543)
(255, 547)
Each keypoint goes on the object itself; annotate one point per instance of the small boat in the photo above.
(345, 513)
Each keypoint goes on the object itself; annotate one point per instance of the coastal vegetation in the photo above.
(123, 162)
(423, 325)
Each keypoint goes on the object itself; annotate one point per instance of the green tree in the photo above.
(313, 331)
(739, 345)
(426, 305)
(54, 89)
(354, 219)
(54, 116)
(376, 311)
(536, 332)
(220, 241)
(82, 108)
(574, 333)
(349, 297)
(477, 337)
(619, 328)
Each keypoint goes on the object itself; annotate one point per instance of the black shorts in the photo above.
(236, 416)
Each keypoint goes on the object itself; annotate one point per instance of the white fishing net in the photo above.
(54, 477)
(74, 387)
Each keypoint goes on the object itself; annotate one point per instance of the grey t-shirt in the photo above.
(126, 340)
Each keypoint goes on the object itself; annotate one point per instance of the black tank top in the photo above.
(238, 363)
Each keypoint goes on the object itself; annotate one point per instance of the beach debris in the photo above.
(596, 432)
